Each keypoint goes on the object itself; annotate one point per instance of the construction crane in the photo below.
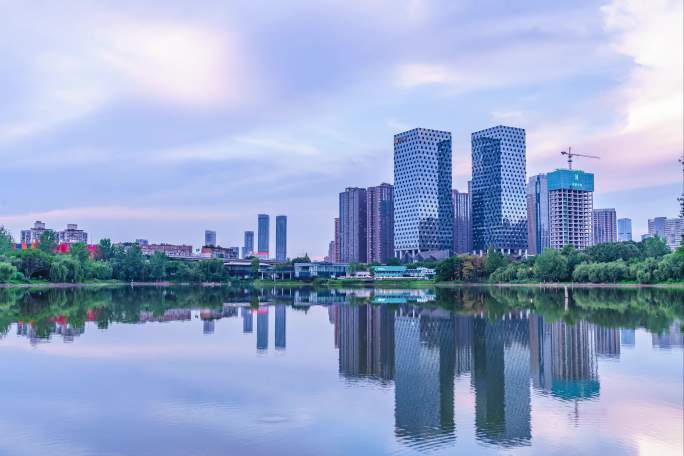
(571, 154)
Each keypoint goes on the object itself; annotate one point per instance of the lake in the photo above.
(209, 371)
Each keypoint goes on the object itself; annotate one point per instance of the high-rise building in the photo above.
(624, 228)
(571, 200)
(248, 247)
(498, 189)
(338, 241)
(353, 225)
(210, 238)
(668, 229)
(33, 234)
(423, 211)
(656, 227)
(380, 223)
(264, 233)
(604, 222)
(537, 214)
(281, 238)
(463, 238)
(72, 235)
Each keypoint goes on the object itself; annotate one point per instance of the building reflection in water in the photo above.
(672, 337)
(262, 328)
(280, 326)
(501, 380)
(246, 314)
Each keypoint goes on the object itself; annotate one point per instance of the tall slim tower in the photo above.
(248, 247)
(281, 238)
(537, 214)
(499, 189)
(463, 239)
(353, 219)
(423, 211)
(571, 200)
(264, 233)
(380, 223)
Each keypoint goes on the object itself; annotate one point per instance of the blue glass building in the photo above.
(281, 238)
(423, 211)
(264, 233)
(499, 189)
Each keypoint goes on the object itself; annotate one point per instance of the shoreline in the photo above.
(341, 284)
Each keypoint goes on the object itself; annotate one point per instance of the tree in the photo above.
(65, 268)
(105, 251)
(304, 259)
(100, 270)
(654, 247)
(133, 267)
(5, 241)
(7, 271)
(33, 263)
(48, 241)
(494, 260)
(158, 264)
(393, 261)
(550, 266)
(255, 267)
(79, 251)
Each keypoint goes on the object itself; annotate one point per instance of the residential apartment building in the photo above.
(380, 223)
(353, 212)
(571, 200)
(604, 222)
(537, 214)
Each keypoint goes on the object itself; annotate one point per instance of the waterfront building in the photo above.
(227, 253)
(264, 233)
(72, 235)
(668, 229)
(281, 238)
(423, 211)
(280, 326)
(624, 228)
(170, 250)
(33, 234)
(353, 225)
(380, 223)
(142, 241)
(463, 238)
(537, 214)
(571, 200)
(248, 246)
(604, 222)
(327, 270)
(209, 238)
(499, 203)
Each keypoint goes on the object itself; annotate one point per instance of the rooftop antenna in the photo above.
(572, 154)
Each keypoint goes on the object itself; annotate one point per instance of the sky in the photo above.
(160, 119)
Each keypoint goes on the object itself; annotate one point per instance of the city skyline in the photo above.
(110, 94)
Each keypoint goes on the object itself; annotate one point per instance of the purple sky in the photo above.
(160, 119)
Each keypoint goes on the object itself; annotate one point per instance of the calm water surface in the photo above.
(183, 371)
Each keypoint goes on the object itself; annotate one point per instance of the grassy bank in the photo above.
(456, 284)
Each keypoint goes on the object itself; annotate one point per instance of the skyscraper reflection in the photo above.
(365, 338)
(262, 328)
(246, 314)
(672, 337)
(280, 326)
(424, 378)
(500, 379)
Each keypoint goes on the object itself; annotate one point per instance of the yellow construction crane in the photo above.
(571, 154)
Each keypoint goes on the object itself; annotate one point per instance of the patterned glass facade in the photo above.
(499, 189)
(423, 211)
(624, 229)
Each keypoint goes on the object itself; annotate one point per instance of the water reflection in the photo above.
(507, 344)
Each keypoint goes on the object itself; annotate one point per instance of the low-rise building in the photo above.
(327, 270)
(402, 272)
(227, 253)
(170, 250)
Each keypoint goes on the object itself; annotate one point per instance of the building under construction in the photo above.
(571, 201)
